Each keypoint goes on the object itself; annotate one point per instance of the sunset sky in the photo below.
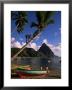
(51, 34)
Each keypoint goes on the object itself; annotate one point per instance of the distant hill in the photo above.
(27, 52)
(14, 51)
(44, 51)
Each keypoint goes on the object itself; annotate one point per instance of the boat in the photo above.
(30, 72)
(24, 68)
(25, 73)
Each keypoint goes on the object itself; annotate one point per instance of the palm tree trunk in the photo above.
(25, 46)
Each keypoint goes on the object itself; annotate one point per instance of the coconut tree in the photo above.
(43, 20)
(20, 18)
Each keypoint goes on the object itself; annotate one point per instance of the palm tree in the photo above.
(43, 20)
(20, 19)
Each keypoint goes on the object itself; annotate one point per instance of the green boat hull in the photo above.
(31, 71)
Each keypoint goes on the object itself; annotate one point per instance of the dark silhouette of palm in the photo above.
(20, 19)
(43, 20)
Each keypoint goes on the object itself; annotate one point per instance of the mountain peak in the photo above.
(46, 50)
(44, 44)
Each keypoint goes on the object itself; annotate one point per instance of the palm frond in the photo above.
(33, 24)
(20, 18)
(40, 16)
(49, 21)
(19, 29)
(22, 13)
(25, 20)
(48, 15)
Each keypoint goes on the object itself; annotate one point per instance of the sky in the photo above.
(51, 35)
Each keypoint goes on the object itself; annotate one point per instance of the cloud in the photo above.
(45, 41)
(56, 49)
(33, 45)
(12, 39)
(23, 43)
(39, 46)
(15, 43)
